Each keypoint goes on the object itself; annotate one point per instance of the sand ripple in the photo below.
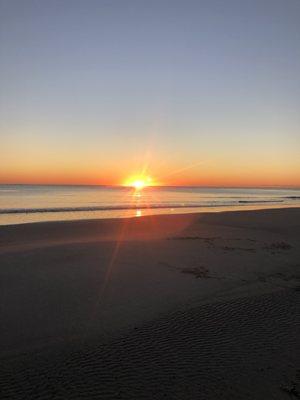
(243, 349)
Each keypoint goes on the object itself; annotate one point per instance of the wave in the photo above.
(126, 207)
(259, 201)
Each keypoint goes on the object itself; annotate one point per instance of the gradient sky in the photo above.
(200, 92)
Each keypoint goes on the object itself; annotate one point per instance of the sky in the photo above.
(192, 92)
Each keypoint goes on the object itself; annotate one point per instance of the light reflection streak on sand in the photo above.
(107, 277)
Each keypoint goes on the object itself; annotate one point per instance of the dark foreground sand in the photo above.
(202, 306)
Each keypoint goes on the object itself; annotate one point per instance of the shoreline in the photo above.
(202, 210)
(21, 217)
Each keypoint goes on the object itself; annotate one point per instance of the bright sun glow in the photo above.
(139, 182)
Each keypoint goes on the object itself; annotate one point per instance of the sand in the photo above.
(194, 306)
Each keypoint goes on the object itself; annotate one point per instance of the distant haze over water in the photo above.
(35, 203)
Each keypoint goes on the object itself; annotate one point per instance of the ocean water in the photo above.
(36, 203)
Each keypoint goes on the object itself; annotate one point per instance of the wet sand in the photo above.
(194, 306)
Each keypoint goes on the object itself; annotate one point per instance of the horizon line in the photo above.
(156, 186)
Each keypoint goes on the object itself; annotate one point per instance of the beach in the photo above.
(187, 306)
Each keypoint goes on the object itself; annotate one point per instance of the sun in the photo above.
(139, 182)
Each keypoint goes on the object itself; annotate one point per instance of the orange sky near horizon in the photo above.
(36, 159)
(227, 174)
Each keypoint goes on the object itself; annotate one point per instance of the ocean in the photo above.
(37, 203)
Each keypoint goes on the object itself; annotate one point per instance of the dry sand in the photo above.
(195, 306)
